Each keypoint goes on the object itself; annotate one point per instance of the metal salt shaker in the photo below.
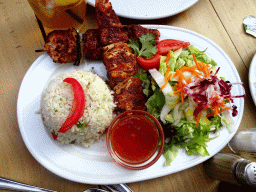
(232, 169)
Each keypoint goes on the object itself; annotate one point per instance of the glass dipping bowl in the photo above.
(135, 139)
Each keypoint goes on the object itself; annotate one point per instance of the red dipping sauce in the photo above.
(134, 137)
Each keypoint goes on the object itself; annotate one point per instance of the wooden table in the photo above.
(219, 20)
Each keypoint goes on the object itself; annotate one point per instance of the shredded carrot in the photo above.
(222, 104)
(168, 70)
(197, 71)
(177, 91)
(189, 80)
(216, 106)
(194, 57)
(205, 69)
(216, 110)
(167, 74)
(198, 117)
(167, 77)
(227, 108)
(180, 76)
(168, 56)
(182, 96)
(166, 81)
(201, 66)
(201, 69)
(192, 70)
(182, 82)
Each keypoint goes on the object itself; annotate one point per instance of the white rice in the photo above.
(98, 113)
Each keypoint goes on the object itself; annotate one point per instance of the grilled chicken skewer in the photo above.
(118, 57)
(63, 46)
(109, 43)
(121, 67)
(120, 62)
(135, 31)
(92, 46)
(109, 24)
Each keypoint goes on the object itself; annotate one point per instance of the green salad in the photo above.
(190, 99)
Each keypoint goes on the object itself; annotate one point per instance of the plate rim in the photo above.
(166, 172)
(250, 76)
(150, 17)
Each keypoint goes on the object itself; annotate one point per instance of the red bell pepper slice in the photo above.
(78, 105)
(54, 136)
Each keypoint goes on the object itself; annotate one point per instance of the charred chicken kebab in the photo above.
(109, 43)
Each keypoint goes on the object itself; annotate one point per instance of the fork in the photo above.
(16, 186)
(13, 185)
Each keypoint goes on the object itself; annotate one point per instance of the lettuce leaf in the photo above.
(186, 135)
(180, 129)
(155, 103)
(201, 55)
(170, 153)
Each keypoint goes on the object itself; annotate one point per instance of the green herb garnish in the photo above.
(81, 125)
(146, 47)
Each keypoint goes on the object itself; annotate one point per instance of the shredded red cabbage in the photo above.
(205, 92)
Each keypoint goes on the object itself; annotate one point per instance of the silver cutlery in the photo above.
(112, 188)
(95, 190)
(16, 186)
(118, 188)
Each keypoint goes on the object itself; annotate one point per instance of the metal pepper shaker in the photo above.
(232, 169)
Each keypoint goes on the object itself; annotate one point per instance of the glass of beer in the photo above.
(60, 14)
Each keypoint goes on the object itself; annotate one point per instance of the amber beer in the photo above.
(60, 14)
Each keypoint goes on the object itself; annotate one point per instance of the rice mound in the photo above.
(57, 101)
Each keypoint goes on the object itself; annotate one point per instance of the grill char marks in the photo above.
(92, 47)
(129, 95)
(111, 35)
(135, 31)
(62, 46)
(109, 24)
(106, 16)
(120, 62)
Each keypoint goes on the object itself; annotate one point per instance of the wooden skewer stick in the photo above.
(40, 50)
(75, 16)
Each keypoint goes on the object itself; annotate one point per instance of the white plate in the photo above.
(94, 165)
(252, 78)
(148, 9)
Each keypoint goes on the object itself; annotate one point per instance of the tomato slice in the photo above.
(78, 105)
(149, 63)
(170, 44)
